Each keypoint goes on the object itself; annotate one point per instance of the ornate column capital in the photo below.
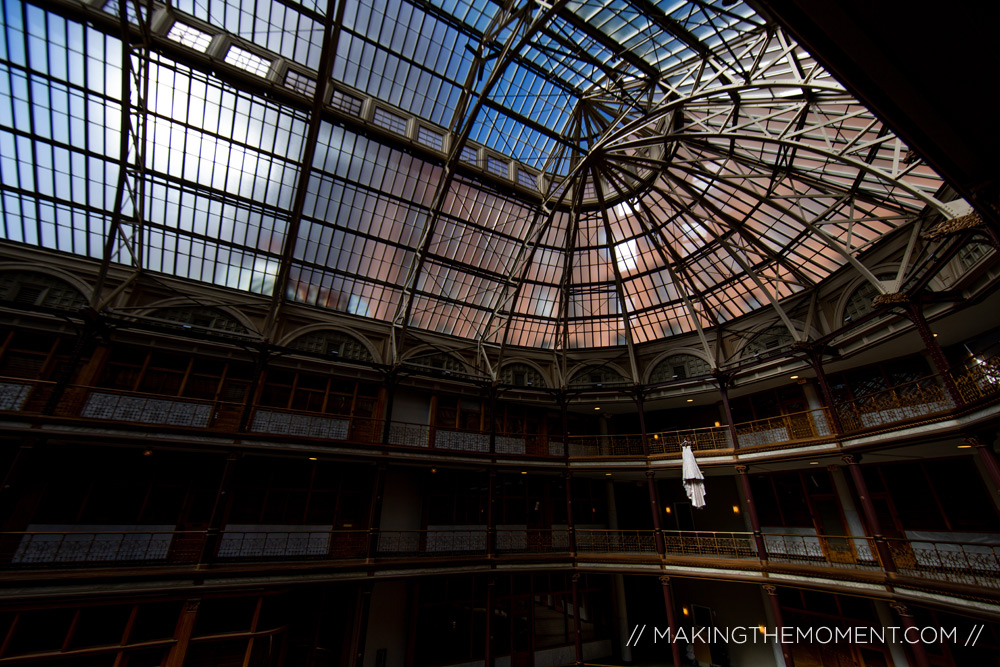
(770, 588)
(665, 580)
(649, 474)
(742, 469)
(901, 608)
(849, 459)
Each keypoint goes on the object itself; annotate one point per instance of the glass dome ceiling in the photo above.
(565, 175)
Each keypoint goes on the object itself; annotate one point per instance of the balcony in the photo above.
(978, 382)
(949, 566)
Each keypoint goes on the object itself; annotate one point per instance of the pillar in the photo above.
(182, 633)
(855, 527)
(899, 657)
(654, 502)
(491, 585)
(816, 361)
(389, 385)
(758, 536)
(668, 602)
(375, 512)
(618, 579)
(362, 609)
(84, 342)
(492, 391)
(577, 636)
(570, 524)
(260, 367)
(917, 648)
(888, 564)
(723, 381)
(641, 413)
(779, 623)
(916, 315)
(219, 510)
(988, 458)
(491, 525)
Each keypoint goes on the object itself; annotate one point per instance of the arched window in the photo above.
(521, 375)
(597, 376)
(859, 303)
(28, 288)
(202, 317)
(438, 361)
(332, 343)
(679, 367)
(773, 338)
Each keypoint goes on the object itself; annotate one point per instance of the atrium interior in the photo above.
(372, 333)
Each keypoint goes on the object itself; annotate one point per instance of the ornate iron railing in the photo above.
(616, 541)
(954, 562)
(806, 425)
(709, 544)
(246, 543)
(920, 398)
(100, 547)
(701, 439)
(834, 551)
(978, 378)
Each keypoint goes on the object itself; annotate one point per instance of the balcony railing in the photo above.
(834, 551)
(616, 541)
(960, 563)
(709, 544)
(977, 380)
(953, 562)
(920, 398)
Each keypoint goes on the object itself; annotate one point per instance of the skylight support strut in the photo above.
(131, 186)
(521, 26)
(331, 33)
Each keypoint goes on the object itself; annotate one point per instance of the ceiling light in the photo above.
(597, 408)
(690, 400)
(794, 377)
(607, 474)
(814, 463)
(736, 509)
(524, 472)
(965, 446)
(312, 458)
(935, 335)
(148, 452)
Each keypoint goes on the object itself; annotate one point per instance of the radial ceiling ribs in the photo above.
(332, 24)
(519, 27)
(125, 230)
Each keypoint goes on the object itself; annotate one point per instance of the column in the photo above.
(723, 381)
(219, 510)
(988, 458)
(899, 657)
(491, 525)
(362, 609)
(888, 564)
(855, 527)
(182, 633)
(668, 602)
(654, 502)
(916, 315)
(618, 579)
(389, 386)
(253, 392)
(491, 585)
(917, 648)
(492, 390)
(570, 525)
(375, 512)
(816, 361)
(772, 597)
(758, 536)
(577, 637)
(641, 413)
(84, 342)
